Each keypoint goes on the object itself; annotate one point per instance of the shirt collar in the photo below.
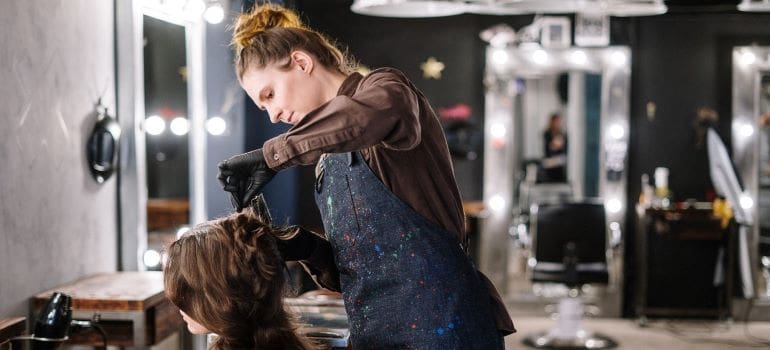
(349, 85)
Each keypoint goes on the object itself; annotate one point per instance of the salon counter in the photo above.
(131, 307)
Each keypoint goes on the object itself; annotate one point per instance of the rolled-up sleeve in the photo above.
(382, 110)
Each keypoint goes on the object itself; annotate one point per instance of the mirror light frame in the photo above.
(131, 114)
(749, 62)
(504, 65)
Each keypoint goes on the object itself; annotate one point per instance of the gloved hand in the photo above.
(244, 176)
(314, 252)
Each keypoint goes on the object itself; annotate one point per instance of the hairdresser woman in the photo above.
(385, 187)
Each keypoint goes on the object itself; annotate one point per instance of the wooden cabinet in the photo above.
(684, 264)
(131, 306)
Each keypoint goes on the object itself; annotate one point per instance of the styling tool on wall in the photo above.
(102, 147)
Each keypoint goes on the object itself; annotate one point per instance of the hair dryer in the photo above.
(53, 322)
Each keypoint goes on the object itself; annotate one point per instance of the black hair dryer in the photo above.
(51, 326)
(54, 321)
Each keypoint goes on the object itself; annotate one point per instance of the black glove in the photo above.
(314, 252)
(244, 176)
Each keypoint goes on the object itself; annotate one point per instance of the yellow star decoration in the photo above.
(431, 69)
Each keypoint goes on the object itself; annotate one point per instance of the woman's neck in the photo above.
(330, 81)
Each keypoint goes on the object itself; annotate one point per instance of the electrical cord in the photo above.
(77, 326)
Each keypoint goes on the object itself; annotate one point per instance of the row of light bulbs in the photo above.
(211, 10)
(539, 56)
(155, 125)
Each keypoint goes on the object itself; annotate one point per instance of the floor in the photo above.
(659, 334)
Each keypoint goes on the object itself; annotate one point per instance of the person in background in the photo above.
(555, 142)
(226, 277)
(385, 187)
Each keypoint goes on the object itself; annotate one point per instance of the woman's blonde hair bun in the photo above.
(260, 19)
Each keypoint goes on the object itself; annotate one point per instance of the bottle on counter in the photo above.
(662, 193)
(647, 193)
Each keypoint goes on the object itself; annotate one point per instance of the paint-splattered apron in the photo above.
(407, 284)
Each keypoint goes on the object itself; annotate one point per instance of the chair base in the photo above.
(580, 340)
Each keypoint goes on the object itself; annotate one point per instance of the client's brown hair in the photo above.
(227, 275)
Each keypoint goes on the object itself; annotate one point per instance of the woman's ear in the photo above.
(303, 61)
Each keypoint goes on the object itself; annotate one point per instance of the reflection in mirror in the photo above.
(581, 95)
(557, 111)
(751, 111)
(166, 127)
(160, 85)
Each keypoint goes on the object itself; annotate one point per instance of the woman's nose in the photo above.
(273, 114)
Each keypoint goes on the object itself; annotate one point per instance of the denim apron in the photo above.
(406, 282)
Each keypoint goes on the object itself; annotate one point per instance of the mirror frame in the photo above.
(130, 72)
(504, 65)
(749, 62)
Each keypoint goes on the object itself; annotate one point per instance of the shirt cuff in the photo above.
(275, 152)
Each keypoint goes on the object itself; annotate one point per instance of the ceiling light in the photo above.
(754, 5)
(408, 8)
(607, 7)
(438, 8)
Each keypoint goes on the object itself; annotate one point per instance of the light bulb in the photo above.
(216, 126)
(497, 203)
(154, 125)
(540, 56)
(748, 57)
(499, 57)
(179, 126)
(618, 58)
(613, 205)
(497, 130)
(151, 258)
(214, 14)
(617, 132)
(579, 57)
(746, 201)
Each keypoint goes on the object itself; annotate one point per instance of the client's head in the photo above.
(226, 276)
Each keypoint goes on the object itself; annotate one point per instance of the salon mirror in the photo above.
(589, 89)
(162, 104)
(751, 153)
(166, 127)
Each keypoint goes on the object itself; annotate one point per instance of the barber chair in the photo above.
(569, 243)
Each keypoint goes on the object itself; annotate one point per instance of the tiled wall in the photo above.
(56, 222)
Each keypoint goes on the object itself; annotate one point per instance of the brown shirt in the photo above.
(391, 122)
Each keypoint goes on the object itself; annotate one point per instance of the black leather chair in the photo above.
(569, 246)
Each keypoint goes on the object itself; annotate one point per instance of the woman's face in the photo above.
(286, 95)
(193, 326)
